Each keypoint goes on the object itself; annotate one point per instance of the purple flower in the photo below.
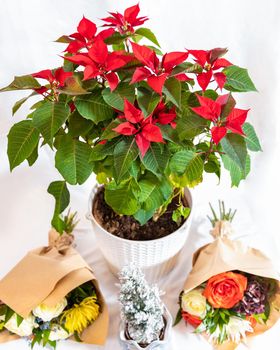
(255, 297)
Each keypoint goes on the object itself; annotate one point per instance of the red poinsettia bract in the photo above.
(125, 23)
(86, 35)
(164, 117)
(100, 62)
(210, 61)
(154, 71)
(56, 79)
(212, 110)
(136, 124)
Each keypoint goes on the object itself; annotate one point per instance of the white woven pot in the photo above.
(163, 344)
(155, 257)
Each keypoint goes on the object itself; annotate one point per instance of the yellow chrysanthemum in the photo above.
(81, 315)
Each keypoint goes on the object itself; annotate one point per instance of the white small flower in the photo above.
(47, 313)
(234, 331)
(58, 333)
(24, 329)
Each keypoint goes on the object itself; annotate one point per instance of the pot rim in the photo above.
(91, 217)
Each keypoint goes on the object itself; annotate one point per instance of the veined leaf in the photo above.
(72, 160)
(187, 162)
(49, 118)
(121, 198)
(94, 107)
(116, 98)
(22, 140)
(147, 100)
(155, 159)
(190, 125)
(20, 102)
(125, 153)
(172, 90)
(236, 173)
(24, 82)
(238, 79)
(251, 138)
(73, 86)
(234, 147)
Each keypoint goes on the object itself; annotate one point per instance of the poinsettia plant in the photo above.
(146, 123)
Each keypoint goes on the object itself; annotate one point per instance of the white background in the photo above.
(251, 31)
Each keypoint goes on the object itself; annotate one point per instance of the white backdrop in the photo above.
(251, 31)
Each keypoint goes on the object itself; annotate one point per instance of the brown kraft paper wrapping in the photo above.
(46, 275)
(224, 255)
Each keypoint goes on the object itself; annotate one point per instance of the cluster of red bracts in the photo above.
(88, 49)
(145, 129)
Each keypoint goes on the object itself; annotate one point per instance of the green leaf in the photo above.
(238, 79)
(61, 194)
(147, 100)
(24, 82)
(178, 317)
(62, 198)
(121, 198)
(101, 151)
(94, 107)
(64, 39)
(9, 314)
(79, 126)
(22, 140)
(72, 160)
(143, 216)
(234, 147)
(20, 102)
(187, 162)
(156, 159)
(190, 125)
(251, 138)
(125, 153)
(236, 173)
(116, 98)
(49, 118)
(148, 34)
(73, 86)
(33, 156)
(116, 38)
(19, 320)
(172, 90)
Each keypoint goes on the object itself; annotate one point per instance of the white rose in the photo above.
(58, 333)
(47, 313)
(24, 329)
(194, 303)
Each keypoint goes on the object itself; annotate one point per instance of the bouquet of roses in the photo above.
(232, 291)
(50, 295)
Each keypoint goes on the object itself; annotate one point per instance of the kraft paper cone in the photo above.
(46, 275)
(224, 255)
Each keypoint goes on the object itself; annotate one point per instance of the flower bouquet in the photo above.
(232, 291)
(50, 295)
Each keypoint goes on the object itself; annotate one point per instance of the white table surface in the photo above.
(251, 30)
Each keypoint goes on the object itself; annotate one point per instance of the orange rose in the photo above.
(225, 289)
(192, 320)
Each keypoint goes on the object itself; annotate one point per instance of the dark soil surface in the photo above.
(129, 228)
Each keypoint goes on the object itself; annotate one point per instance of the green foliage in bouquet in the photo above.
(146, 123)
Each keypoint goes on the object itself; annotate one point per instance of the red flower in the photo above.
(212, 110)
(125, 23)
(192, 320)
(86, 35)
(210, 61)
(156, 72)
(56, 79)
(143, 128)
(99, 62)
(163, 116)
